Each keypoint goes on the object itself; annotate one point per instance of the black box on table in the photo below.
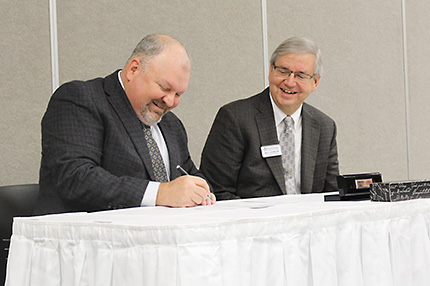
(357, 186)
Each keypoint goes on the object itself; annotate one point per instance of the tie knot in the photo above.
(289, 122)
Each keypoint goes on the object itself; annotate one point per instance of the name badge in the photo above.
(271, 151)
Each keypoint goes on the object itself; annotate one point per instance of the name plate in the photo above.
(271, 150)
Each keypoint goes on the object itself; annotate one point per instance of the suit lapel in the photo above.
(268, 136)
(120, 103)
(310, 139)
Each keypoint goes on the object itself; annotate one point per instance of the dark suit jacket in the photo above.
(232, 160)
(94, 154)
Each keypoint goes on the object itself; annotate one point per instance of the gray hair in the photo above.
(151, 46)
(299, 45)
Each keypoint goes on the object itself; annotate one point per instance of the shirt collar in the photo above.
(120, 80)
(280, 115)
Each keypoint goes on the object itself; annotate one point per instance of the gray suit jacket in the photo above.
(94, 154)
(232, 160)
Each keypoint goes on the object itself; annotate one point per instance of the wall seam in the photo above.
(54, 44)
(265, 42)
(406, 84)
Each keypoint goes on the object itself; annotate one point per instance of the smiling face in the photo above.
(155, 87)
(287, 93)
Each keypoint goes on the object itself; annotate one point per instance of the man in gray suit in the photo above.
(98, 137)
(244, 155)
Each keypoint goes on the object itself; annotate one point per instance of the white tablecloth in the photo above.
(287, 240)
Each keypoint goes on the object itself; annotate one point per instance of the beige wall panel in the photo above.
(418, 55)
(362, 88)
(25, 87)
(224, 40)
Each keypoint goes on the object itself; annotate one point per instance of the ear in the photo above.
(270, 69)
(271, 66)
(132, 68)
(316, 81)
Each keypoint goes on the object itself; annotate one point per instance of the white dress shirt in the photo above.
(297, 130)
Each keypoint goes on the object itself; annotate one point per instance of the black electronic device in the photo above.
(357, 186)
(354, 187)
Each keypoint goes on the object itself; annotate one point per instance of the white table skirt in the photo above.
(268, 241)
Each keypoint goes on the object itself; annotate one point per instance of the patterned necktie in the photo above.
(288, 149)
(156, 159)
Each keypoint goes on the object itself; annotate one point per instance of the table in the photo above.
(286, 240)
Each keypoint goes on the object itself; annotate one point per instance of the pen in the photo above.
(183, 172)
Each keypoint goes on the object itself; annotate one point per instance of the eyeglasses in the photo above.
(298, 76)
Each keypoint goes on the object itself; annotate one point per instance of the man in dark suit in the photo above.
(98, 137)
(245, 154)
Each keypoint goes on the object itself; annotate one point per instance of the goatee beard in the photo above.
(150, 118)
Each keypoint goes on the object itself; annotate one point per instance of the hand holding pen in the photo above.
(185, 191)
(183, 172)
